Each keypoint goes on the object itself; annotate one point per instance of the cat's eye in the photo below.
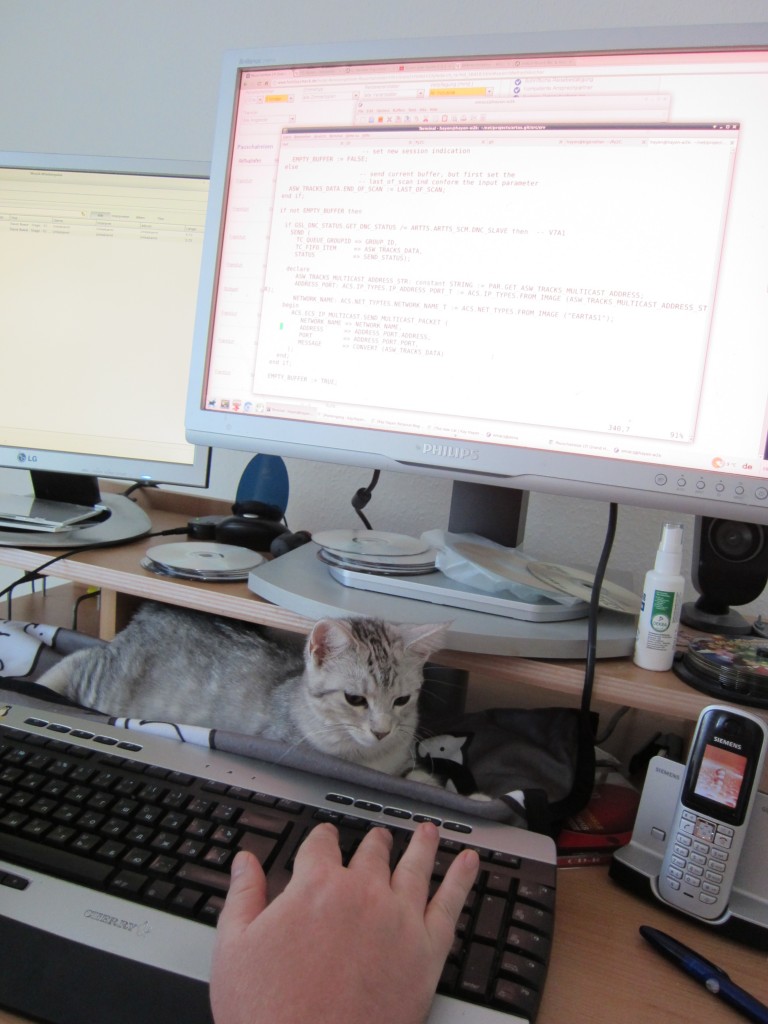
(401, 701)
(356, 700)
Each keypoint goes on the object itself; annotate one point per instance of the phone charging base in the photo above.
(637, 865)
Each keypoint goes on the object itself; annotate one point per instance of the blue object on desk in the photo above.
(713, 978)
(265, 479)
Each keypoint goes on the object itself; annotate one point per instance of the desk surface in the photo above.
(602, 971)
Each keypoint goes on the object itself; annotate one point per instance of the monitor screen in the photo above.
(99, 268)
(539, 267)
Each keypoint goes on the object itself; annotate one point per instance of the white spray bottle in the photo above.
(662, 600)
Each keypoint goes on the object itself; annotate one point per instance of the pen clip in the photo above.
(712, 967)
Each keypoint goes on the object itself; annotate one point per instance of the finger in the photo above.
(446, 905)
(321, 848)
(373, 853)
(414, 871)
(247, 894)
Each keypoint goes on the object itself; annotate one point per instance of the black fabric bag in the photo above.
(542, 758)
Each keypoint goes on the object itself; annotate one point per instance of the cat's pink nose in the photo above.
(381, 735)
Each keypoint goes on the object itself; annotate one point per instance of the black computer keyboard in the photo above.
(166, 839)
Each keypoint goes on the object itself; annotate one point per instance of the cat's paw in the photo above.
(420, 775)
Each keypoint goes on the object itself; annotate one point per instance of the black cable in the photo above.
(362, 496)
(609, 729)
(89, 596)
(594, 608)
(138, 486)
(35, 574)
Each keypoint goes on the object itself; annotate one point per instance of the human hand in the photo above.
(358, 945)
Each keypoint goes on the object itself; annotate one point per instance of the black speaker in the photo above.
(730, 566)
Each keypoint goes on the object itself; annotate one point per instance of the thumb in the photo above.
(247, 894)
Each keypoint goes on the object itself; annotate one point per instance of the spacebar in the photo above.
(52, 861)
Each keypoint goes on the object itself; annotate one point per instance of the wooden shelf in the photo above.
(122, 581)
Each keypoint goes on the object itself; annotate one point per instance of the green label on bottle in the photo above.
(661, 610)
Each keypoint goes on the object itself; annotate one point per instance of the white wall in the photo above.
(140, 77)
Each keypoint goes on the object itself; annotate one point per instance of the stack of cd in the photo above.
(204, 561)
(370, 551)
(735, 669)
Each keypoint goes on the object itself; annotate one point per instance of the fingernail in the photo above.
(239, 864)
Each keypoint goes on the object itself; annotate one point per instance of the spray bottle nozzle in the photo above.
(670, 554)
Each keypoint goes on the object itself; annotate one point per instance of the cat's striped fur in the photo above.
(350, 690)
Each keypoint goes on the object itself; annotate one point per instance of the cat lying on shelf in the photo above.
(350, 690)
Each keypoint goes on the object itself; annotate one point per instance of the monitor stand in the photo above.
(119, 520)
(300, 582)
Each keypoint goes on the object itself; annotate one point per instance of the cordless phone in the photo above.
(710, 821)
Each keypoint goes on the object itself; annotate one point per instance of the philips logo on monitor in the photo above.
(450, 451)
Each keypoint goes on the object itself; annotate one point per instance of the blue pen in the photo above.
(713, 978)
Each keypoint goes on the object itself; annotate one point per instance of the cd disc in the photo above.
(385, 565)
(579, 584)
(388, 561)
(202, 560)
(369, 542)
(503, 562)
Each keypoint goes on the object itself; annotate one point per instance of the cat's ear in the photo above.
(425, 639)
(328, 638)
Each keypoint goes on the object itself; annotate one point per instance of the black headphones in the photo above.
(253, 524)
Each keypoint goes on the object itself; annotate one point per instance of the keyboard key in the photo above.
(211, 909)
(45, 858)
(158, 891)
(531, 943)
(263, 847)
(516, 997)
(127, 882)
(490, 918)
(476, 976)
(538, 895)
(187, 899)
(523, 969)
(137, 858)
(204, 877)
(262, 821)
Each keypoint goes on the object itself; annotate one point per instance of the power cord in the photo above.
(31, 575)
(362, 496)
(140, 485)
(594, 608)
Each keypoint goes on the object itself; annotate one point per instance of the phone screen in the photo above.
(721, 776)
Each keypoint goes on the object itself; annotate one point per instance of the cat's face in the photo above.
(364, 678)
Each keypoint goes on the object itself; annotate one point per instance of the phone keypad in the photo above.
(699, 856)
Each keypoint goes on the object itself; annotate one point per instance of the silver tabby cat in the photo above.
(350, 690)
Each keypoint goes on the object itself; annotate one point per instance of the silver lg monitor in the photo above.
(99, 266)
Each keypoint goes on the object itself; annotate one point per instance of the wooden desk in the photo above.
(603, 972)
